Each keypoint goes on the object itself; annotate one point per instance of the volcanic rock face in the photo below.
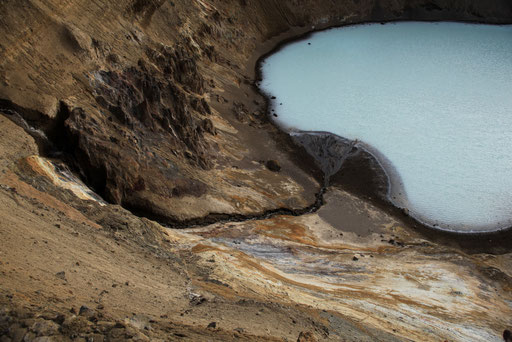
(152, 103)
(143, 113)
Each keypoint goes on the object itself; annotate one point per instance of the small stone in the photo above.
(59, 319)
(212, 325)
(61, 275)
(196, 299)
(44, 328)
(306, 337)
(17, 333)
(507, 335)
(83, 309)
(30, 336)
(273, 165)
(355, 258)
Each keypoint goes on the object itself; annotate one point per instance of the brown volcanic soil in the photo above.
(152, 103)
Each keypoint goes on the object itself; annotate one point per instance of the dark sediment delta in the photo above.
(154, 106)
(329, 151)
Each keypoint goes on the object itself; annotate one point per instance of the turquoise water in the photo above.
(435, 99)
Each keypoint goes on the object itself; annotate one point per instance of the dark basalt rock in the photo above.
(145, 108)
(200, 105)
(507, 336)
(273, 165)
(179, 62)
(207, 126)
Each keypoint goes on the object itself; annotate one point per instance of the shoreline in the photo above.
(417, 224)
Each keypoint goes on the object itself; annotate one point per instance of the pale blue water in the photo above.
(435, 99)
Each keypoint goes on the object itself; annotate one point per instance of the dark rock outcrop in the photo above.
(144, 108)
